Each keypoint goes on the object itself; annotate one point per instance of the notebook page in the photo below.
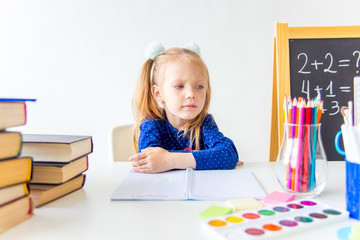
(144, 186)
(224, 185)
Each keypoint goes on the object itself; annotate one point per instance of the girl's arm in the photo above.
(152, 157)
(157, 159)
(219, 153)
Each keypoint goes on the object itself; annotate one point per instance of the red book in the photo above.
(16, 211)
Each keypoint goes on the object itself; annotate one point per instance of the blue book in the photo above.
(17, 100)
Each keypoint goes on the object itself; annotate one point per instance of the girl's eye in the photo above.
(179, 86)
(200, 87)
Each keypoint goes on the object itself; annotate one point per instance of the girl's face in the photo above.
(182, 90)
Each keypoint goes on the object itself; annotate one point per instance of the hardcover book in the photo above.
(55, 173)
(45, 193)
(14, 212)
(15, 170)
(12, 114)
(55, 148)
(13, 192)
(10, 144)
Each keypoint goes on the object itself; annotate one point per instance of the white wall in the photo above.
(81, 59)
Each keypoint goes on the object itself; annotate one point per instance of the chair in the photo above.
(122, 144)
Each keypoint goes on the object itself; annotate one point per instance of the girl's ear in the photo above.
(156, 93)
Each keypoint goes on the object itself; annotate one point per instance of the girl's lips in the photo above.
(190, 106)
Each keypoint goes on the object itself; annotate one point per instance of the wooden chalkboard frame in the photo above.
(281, 69)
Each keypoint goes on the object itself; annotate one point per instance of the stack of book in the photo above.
(59, 164)
(16, 205)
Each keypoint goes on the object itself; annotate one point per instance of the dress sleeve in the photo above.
(150, 135)
(220, 151)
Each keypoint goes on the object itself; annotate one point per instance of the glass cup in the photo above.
(301, 165)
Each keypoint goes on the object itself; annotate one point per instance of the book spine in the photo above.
(188, 177)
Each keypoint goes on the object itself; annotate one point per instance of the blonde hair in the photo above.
(145, 105)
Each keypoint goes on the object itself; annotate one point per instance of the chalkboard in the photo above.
(328, 66)
(312, 59)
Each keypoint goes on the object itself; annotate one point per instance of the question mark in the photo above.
(357, 62)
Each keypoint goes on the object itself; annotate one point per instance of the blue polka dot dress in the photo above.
(217, 151)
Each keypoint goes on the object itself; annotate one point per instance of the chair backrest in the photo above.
(122, 144)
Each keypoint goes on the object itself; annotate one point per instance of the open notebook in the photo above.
(189, 184)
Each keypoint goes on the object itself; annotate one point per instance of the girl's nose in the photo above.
(190, 94)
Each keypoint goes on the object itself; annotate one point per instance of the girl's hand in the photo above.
(152, 160)
(239, 163)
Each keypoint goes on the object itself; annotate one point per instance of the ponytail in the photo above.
(144, 104)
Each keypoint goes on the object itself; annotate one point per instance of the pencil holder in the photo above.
(353, 189)
(301, 165)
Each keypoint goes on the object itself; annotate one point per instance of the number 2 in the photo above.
(306, 60)
(330, 65)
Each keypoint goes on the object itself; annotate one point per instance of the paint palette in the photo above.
(275, 221)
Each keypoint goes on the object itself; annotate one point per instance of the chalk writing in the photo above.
(327, 66)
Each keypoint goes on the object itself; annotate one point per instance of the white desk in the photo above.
(89, 214)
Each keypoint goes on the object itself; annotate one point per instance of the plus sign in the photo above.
(315, 63)
(317, 89)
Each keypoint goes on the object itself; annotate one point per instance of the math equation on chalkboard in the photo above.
(327, 66)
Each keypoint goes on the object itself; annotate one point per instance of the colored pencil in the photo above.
(306, 147)
(294, 118)
(320, 111)
(289, 118)
(297, 118)
(302, 118)
(294, 144)
(289, 127)
(314, 122)
(300, 146)
(297, 149)
(311, 130)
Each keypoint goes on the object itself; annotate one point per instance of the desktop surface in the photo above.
(89, 214)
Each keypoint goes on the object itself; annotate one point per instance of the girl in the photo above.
(173, 129)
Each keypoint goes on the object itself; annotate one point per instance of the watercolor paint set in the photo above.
(272, 222)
